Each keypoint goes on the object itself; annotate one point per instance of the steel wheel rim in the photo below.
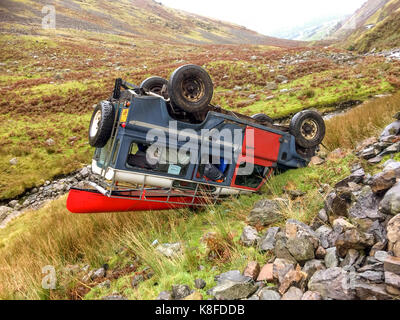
(95, 124)
(309, 129)
(193, 89)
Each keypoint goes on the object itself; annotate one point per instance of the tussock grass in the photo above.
(366, 120)
(52, 236)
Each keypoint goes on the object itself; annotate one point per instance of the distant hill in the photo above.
(143, 18)
(375, 25)
(316, 29)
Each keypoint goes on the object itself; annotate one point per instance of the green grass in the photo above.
(25, 138)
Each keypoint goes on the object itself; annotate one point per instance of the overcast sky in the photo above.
(267, 16)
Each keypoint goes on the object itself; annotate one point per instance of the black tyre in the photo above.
(190, 88)
(308, 128)
(261, 117)
(101, 124)
(155, 85)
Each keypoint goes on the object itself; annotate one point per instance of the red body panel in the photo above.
(84, 201)
(261, 148)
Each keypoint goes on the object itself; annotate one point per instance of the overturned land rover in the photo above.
(163, 145)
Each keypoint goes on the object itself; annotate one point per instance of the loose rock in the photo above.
(333, 283)
(249, 237)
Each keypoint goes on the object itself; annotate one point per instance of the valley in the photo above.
(50, 81)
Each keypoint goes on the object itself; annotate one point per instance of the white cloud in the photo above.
(267, 16)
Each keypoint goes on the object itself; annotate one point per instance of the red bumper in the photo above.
(87, 201)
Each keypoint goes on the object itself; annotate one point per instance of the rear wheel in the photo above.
(190, 88)
(155, 85)
(308, 127)
(101, 124)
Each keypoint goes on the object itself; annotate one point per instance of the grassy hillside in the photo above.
(384, 35)
(374, 25)
(123, 241)
(134, 18)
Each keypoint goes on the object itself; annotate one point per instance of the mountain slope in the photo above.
(141, 18)
(375, 24)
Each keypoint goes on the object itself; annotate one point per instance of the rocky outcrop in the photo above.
(353, 254)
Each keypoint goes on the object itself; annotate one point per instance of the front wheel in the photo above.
(101, 124)
(308, 127)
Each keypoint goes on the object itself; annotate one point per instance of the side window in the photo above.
(252, 180)
(140, 154)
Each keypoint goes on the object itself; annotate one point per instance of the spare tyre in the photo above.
(190, 88)
(155, 85)
(308, 127)
(101, 124)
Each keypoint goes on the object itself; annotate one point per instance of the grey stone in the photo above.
(170, 250)
(392, 264)
(4, 212)
(392, 279)
(333, 283)
(370, 291)
(280, 250)
(324, 234)
(369, 153)
(311, 295)
(394, 148)
(354, 239)
(312, 266)
(98, 274)
(391, 165)
(13, 203)
(372, 267)
(350, 260)
(267, 242)
(164, 295)
(381, 256)
(391, 202)
(232, 290)
(301, 249)
(233, 275)
(392, 129)
(331, 258)
(136, 280)
(372, 276)
(267, 294)
(249, 237)
(200, 284)
(323, 215)
(366, 205)
(180, 291)
(281, 78)
(375, 160)
(14, 161)
(265, 212)
(50, 142)
(298, 230)
(293, 294)
(337, 203)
